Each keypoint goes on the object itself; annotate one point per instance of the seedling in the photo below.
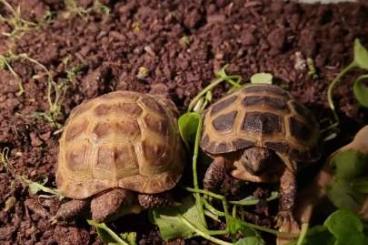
(5, 64)
(55, 91)
(74, 9)
(33, 187)
(15, 21)
(360, 90)
(312, 71)
(4, 158)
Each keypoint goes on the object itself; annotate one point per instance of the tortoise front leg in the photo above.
(110, 203)
(285, 218)
(147, 201)
(215, 174)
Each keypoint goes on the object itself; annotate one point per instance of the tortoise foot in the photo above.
(108, 204)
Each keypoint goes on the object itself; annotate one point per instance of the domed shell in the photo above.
(121, 139)
(261, 115)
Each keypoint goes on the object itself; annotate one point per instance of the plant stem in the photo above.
(209, 87)
(20, 82)
(195, 176)
(108, 230)
(217, 232)
(303, 233)
(332, 86)
(213, 209)
(203, 234)
(205, 192)
(251, 200)
(211, 215)
(214, 195)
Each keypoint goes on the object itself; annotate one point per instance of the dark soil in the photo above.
(181, 44)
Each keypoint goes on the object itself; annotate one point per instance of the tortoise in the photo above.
(260, 133)
(120, 152)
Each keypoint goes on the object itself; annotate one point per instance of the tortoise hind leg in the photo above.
(71, 209)
(215, 174)
(110, 203)
(155, 200)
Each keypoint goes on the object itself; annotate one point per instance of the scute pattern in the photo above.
(272, 102)
(266, 116)
(224, 122)
(265, 123)
(121, 139)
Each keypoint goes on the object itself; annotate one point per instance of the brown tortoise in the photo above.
(259, 133)
(115, 146)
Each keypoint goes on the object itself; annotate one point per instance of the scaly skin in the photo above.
(112, 204)
(285, 219)
(215, 174)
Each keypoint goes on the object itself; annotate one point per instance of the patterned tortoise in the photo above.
(259, 134)
(117, 153)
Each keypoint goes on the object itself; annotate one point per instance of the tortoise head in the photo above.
(255, 159)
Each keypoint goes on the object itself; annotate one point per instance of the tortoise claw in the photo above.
(286, 224)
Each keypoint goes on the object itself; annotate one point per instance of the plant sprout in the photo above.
(34, 187)
(15, 21)
(5, 64)
(359, 88)
(73, 8)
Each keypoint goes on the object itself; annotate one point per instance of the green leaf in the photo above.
(342, 195)
(346, 227)
(35, 187)
(171, 225)
(129, 237)
(106, 234)
(251, 200)
(253, 240)
(360, 55)
(360, 185)
(361, 90)
(188, 124)
(317, 235)
(349, 164)
(261, 78)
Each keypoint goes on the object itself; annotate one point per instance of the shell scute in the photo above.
(225, 122)
(276, 103)
(222, 104)
(156, 124)
(265, 123)
(75, 130)
(299, 130)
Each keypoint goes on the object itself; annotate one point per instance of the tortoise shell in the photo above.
(121, 139)
(261, 115)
